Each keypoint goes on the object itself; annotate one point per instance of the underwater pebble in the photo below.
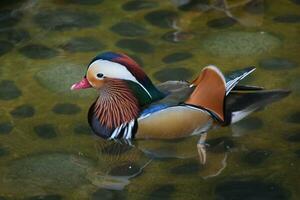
(129, 29)
(3, 151)
(296, 1)
(161, 18)
(83, 44)
(250, 189)
(23, 111)
(220, 144)
(162, 192)
(38, 51)
(5, 47)
(275, 63)
(139, 5)
(5, 128)
(294, 136)
(193, 5)
(294, 117)
(224, 22)
(255, 7)
(82, 129)
(46, 197)
(125, 169)
(137, 59)
(175, 57)
(188, 168)
(256, 157)
(14, 35)
(115, 149)
(135, 45)
(288, 18)
(106, 194)
(66, 109)
(2, 198)
(8, 90)
(9, 18)
(175, 37)
(54, 171)
(61, 19)
(239, 43)
(84, 2)
(10, 2)
(176, 73)
(45, 131)
(297, 152)
(59, 78)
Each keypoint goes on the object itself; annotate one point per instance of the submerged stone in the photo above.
(129, 29)
(54, 171)
(5, 128)
(60, 77)
(106, 194)
(178, 56)
(294, 117)
(83, 44)
(255, 7)
(139, 5)
(294, 136)
(256, 157)
(3, 151)
(46, 197)
(135, 45)
(5, 47)
(23, 111)
(8, 90)
(220, 23)
(250, 189)
(82, 129)
(125, 169)
(296, 1)
(163, 192)
(192, 5)
(66, 109)
(161, 18)
(84, 2)
(288, 18)
(14, 35)
(45, 131)
(169, 73)
(239, 43)
(38, 51)
(137, 59)
(297, 152)
(62, 19)
(188, 168)
(9, 18)
(276, 63)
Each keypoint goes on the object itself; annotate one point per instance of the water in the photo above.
(47, 150)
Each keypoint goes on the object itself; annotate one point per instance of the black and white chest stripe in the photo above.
(125, 131)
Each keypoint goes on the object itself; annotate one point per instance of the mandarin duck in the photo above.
(131, 106)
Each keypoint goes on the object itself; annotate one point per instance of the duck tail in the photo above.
(227, 101)
(242, 101)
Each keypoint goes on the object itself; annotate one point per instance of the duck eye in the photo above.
(100, 75)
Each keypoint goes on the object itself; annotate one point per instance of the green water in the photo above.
(47, 150)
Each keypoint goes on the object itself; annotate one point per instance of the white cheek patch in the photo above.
(114, 70)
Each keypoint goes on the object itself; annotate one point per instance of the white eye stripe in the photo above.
(114, 70)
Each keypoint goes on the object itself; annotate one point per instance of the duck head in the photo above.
(112, 68)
